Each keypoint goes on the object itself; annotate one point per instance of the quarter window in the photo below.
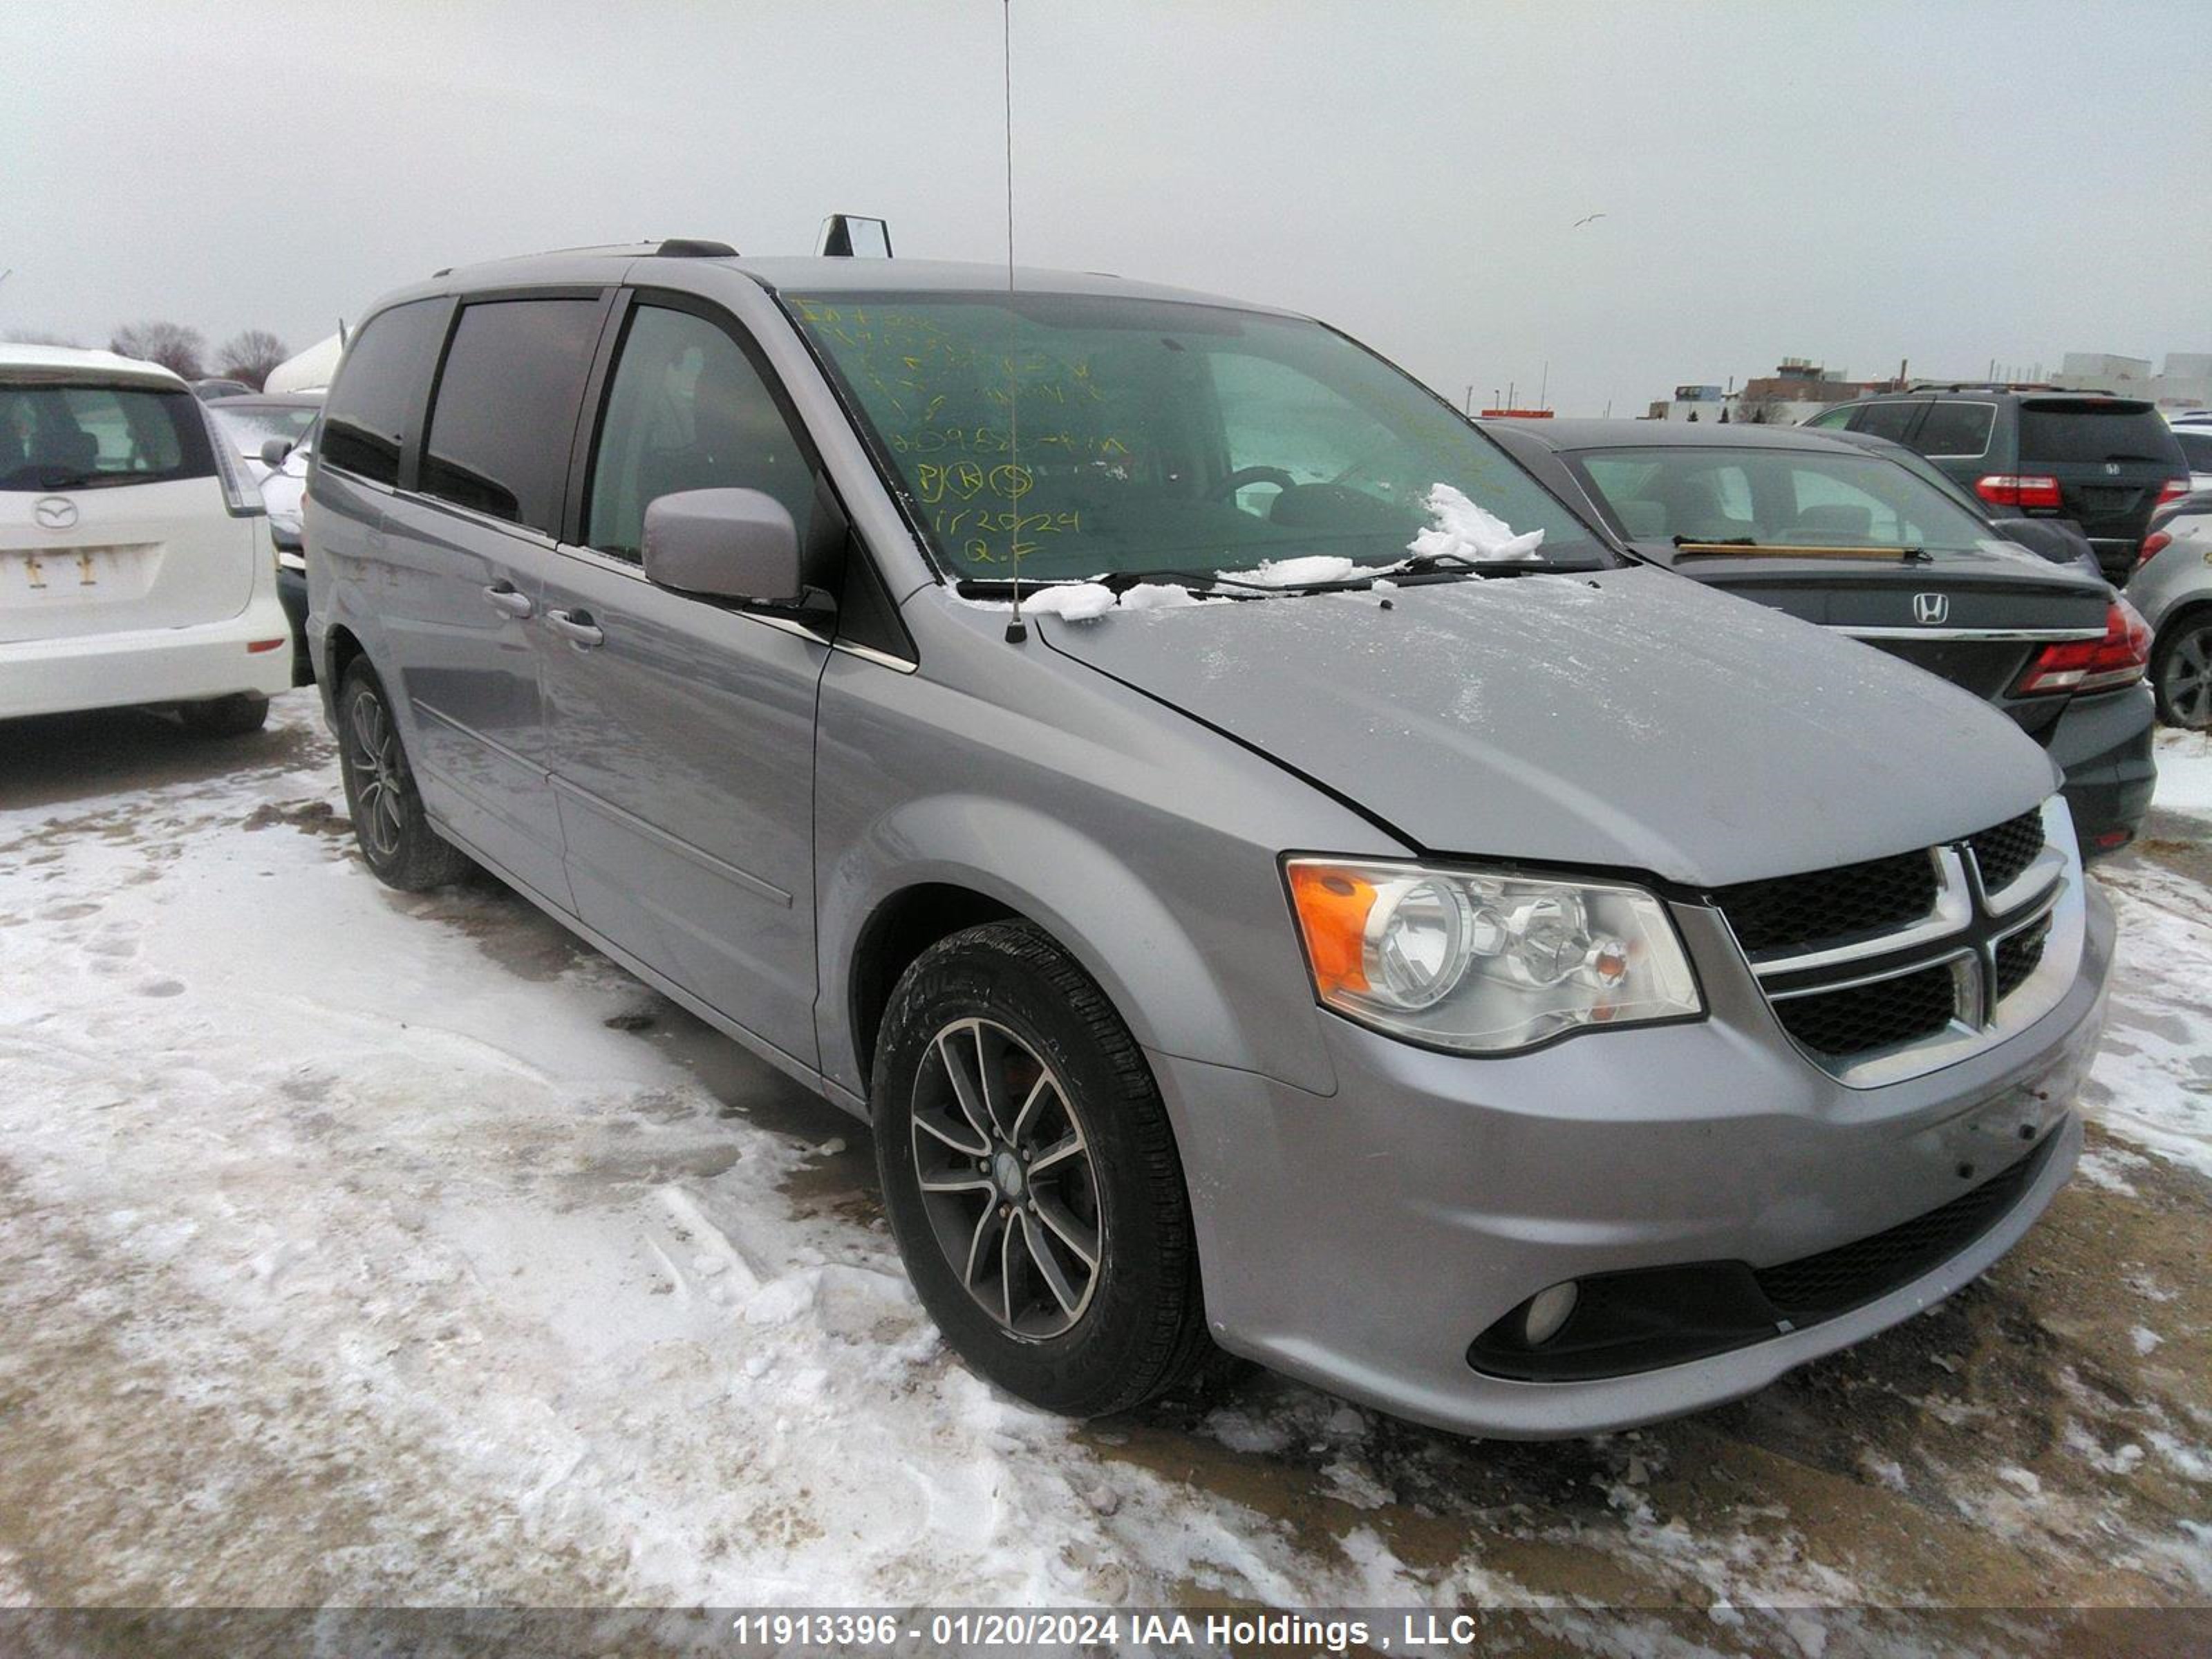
(378, 388)
(1960, 429)
(687, 410)
(1834, 420)
(1890, 421)
(505, 412)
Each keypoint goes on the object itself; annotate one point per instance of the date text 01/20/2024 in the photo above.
(1415, 1632)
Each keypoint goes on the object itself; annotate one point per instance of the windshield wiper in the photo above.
(1458, 564)
(1743, 547)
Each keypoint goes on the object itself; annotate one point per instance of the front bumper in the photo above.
(1361, 1241)
(150, 666)
(2103, 743)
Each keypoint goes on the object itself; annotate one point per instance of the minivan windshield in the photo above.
(81, 437)
(1102, 435)
(1776, 497)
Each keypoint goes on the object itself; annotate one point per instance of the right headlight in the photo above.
(1485, 963)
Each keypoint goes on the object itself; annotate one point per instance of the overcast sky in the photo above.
(1950, 183)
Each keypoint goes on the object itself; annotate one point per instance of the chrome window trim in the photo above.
(2046, 635)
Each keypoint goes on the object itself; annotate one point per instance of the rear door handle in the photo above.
(506, 596)
(577, 627)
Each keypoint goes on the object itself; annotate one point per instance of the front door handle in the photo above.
(577, 627)
(506, 596)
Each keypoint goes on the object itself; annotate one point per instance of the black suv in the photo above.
(2102, 461)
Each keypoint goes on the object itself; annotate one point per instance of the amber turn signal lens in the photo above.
(1333, 907)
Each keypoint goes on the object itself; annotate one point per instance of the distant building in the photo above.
(1797, 390)
(2185, 382)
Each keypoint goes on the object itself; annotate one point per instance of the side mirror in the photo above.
(274, 451)
(724, 543)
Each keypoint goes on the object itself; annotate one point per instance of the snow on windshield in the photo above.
(1458, 528)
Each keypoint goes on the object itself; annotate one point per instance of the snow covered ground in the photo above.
(357, 1248)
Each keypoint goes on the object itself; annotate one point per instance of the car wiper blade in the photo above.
(1743, 547)
(1458, 564)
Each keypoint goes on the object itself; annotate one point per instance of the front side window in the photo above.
(1097, 433)
(505, 410)
(379, 386)
(686, 409)
(252, 425)
(1776, 498)
(84, 437)
(1960, 430)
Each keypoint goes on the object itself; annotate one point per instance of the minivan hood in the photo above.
(1623, 718)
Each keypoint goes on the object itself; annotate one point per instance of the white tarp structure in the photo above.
(307, 371)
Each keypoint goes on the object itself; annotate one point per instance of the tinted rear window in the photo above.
(85, 437)
(2196, 449)
(506, 408)
(379, 388)
(1955, 429)
(2056, 430)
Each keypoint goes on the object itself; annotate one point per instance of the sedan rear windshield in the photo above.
(1102, 435)
(2055, 430)
(85, 437)
(1776, 497)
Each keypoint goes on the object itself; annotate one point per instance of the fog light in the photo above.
(1548, 1311)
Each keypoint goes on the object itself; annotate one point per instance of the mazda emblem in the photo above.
(54, 511)
(1931, 608)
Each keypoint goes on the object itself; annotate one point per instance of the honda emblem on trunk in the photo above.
(1930, 609)
(54, 511)
(2111, 469)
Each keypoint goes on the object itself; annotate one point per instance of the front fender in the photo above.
(1108, 916)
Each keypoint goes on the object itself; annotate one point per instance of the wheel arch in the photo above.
(960, 860)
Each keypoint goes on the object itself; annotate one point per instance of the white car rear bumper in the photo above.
(150, 666)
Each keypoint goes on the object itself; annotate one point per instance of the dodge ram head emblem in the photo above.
(1930, 609)
(54, 511)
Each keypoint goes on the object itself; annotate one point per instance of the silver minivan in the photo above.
(1274, 878)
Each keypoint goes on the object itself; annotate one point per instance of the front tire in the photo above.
(2181, 672)
(389, 824)
(1031, 1176)
(235, 716)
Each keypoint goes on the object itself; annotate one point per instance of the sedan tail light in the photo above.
(2120, 657)
(2154, 544)
(2018, 489)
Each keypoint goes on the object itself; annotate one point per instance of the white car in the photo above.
(2194, 434)
(136, 565)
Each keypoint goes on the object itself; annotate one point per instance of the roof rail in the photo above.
(695, 247)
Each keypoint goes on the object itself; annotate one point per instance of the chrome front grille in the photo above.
(1976, 939)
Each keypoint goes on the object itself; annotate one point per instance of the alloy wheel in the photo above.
(1007, 1179)
(2187, 680)
(372, 753)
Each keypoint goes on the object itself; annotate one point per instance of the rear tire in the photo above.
(234, 716)
(389, 824)
(2181, 671)
(1050, 1144)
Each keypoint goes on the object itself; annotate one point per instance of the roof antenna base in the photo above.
(1017, 631)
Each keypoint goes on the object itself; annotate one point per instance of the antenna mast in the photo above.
(1017, 629)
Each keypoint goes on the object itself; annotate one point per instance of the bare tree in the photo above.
(250, 356)
(180, 350)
